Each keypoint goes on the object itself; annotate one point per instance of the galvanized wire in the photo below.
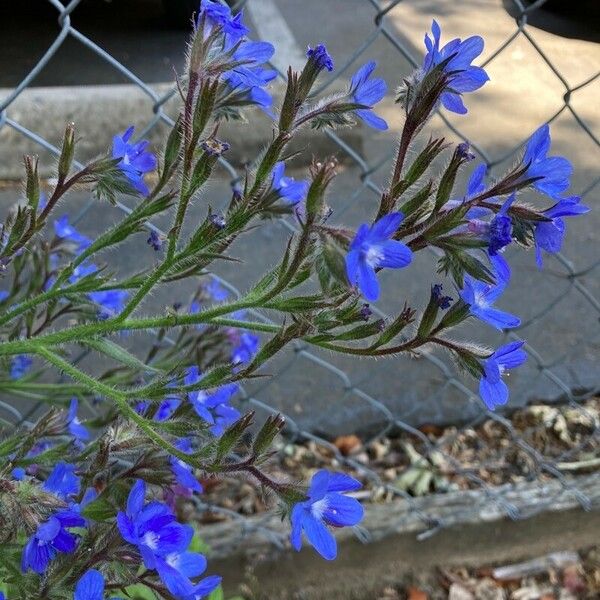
(367, 167)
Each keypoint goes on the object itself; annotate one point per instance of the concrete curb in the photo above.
(99, 112)
(476, 533)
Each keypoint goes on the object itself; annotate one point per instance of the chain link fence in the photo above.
(543, 465)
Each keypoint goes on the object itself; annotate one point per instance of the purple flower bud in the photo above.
(365, 312)
(217, 220)
(320, 56)
(214, 147)
(155, 240)
(463, 151)
(442, 301)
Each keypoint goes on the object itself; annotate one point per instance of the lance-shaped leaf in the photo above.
(118, 353)
(264, 438)
(232, 436)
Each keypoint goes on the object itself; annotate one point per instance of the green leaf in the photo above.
(99, 510)
(7, 446)
(217, 594)
(119, 353)
(140, 592)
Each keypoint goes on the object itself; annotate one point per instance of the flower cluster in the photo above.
(105, 505)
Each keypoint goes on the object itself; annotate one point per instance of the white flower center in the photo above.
(151, 539)
(373, 256)
(173, 559)
(480, 300)
(319, 508)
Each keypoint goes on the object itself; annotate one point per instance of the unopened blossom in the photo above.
(322, 59)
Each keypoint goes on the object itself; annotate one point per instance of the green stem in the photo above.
(118, 397)
(90, 330)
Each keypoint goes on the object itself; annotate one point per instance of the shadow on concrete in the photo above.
(578, 20)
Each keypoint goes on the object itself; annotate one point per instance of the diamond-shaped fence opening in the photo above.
(568, 284)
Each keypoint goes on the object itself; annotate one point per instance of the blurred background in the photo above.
(415, 431)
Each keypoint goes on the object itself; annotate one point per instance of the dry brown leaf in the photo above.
(415, 593)
(347, 444)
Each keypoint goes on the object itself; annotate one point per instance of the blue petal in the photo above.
(362, 75)
(90, 586)
(126, 528)
(49, 530)
(64, 541)
(206, 586)
(296, 519)
(319, 485)
(493, 394)
(386, 227)
(177, 583)
(343, 511)
(371, 119)
(135, 500)
(453, 103)
(340, 482)
(395, 255)
(352, 266)
(320, 537)
(497, 318)
(191, 564)
(367, 282)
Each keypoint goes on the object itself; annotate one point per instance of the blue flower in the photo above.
(50, 538)
(554, 171)
(81, 271)
(212, 407)
(326, 505)
(492, 389)
(320, 57)
(500, 231)
(3, 296)
(371, 249)
(182, 471)
(135, 161)
(216, 291)
(62, 481)
(166, 408)
(462, 76)
(480, 296)
(90, 586)
(162, 543)
(245, 349)
(76, 429)
(368, 92)
(19, 365)
(290, 190)
(249, 77)
(549, 234)
(111, 302)
(475, 186)
(65, 231)
(219, 15)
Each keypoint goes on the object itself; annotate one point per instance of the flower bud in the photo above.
(67, 153)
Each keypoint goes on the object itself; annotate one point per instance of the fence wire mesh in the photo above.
(543, 465)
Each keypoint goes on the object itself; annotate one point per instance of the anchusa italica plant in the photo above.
(89, 509)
